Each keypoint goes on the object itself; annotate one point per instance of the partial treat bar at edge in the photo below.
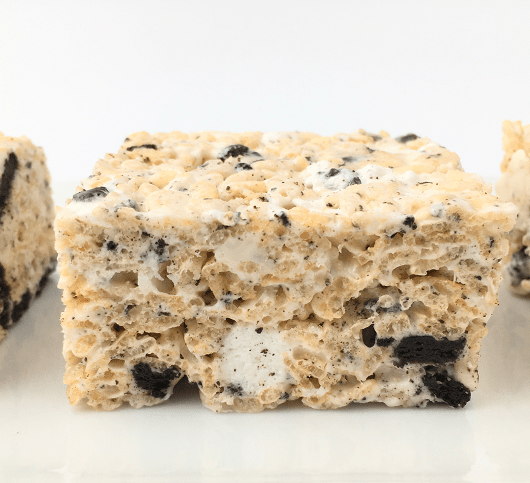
(278, 266)
(513, 186)
(26, 227)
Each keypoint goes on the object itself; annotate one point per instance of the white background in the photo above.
(77, 77)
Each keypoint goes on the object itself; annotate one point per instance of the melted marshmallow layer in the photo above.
(278, 266)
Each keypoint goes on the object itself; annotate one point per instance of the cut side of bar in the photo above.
(278, 266)
(26, 227)
(513, 187)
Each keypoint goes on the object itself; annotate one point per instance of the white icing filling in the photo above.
(253, 361)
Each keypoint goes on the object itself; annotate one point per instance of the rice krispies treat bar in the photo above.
(513, 186)
(272, 267)
(26, 227)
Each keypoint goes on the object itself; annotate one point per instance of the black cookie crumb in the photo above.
(155, 384)
(160, 247)
(242, 167)
(355, 180)
(129, 308)
(20, 307)
(385, 341)
(406, 138)
(425, 349)
(284, 219)
(89, 195)
(410, 221)
(44, 279)
(6, 183)
(4, 297)
(519, 267)
(443, 387)
(369, 335)
(234, 389)
(232, 151)
(111, 245)
(143, 146)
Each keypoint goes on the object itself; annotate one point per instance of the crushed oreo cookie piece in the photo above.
(5, 298)
(519, 267)
(143, 146)
(154, 383)
(6, 183)
(242, 167)
(232, 151)
(425, 349)
(444, 387)
(406, 138)
(20, 307)
(283, 218)
(384, 341)
(410, 221)
(160, 247)
(369, 335)
(235, 390)
(92, 194)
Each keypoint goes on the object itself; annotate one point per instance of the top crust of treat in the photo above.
(21, 146)
(294, 178)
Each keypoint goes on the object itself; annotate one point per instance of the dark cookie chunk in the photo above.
(127, 204)
(242, 167)
(369, 335)
(284, 219)
(20, 307)
(89, 195)
(160, 247)
(372, 305)
(44, 280)
(355, 180)
(406, 138)
(410, 221)
(6, 183)
(143, 146)
(519, 267)
(111, 245)
(5, 298)
(128, 308)
(235, 390)
(385, 341)
(233, 151)
(443, 387)
(332, 172)
(155, 384)
(425, 349)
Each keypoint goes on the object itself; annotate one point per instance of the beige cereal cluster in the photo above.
(513, 186)
(278, 266)
(26, 227)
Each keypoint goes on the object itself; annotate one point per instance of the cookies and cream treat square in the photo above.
(513, 186)
(278, 266)
(26, 227)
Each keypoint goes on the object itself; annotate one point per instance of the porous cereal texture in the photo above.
(513, 186)
(278, 266)
(27, 256)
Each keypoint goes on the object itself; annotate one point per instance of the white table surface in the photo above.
(43, 439)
